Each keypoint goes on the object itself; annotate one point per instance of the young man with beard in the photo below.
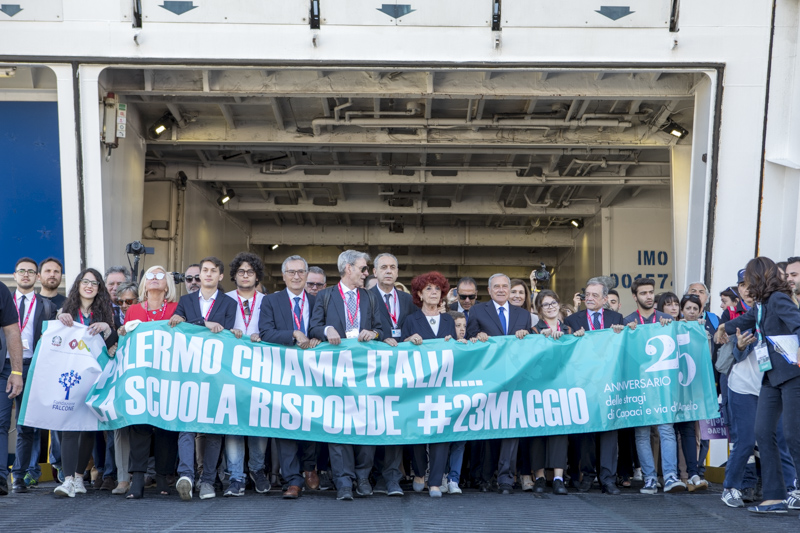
(50, 272)
(643, 290)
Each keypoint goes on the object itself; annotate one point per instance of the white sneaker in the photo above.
(697, 483)
(77, 482)
(66, 489)
(453, 488)
(527, 483)
(637, 474)
(184, 488)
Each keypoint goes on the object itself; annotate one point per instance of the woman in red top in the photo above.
(158, 302)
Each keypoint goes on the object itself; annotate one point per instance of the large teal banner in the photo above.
(189, 379)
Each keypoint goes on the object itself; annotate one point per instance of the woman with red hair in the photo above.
(428, 290)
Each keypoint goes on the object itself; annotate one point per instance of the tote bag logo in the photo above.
(68, 380)
(56, 341)
(78, 345)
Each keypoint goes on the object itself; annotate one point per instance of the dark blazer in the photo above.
(329, 311)
(579, 320)
(406, 308)
(223, 312)
(418, 323)
(276, 320)
(483, 317)
(779, 316)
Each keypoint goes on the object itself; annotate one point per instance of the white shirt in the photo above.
(745, 377)
(434, 322)
(303, 305)
(505, 313)
(27, 333)
(255, 311)
(205, 305)
(392, 304)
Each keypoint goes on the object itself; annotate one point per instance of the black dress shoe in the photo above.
(586, 484)
(611, 489)
(484, 486)
(505, 488)
(539, 485)
(19, 487)
(559, 488)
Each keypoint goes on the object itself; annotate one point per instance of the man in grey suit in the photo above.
(350, 311)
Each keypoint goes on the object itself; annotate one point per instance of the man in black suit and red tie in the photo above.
(491, 319)
(347, 310)
(285, 317)
(594, 318)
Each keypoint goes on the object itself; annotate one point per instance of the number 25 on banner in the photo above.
(667, 362)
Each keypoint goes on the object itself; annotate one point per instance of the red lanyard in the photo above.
(303, 306)
(642, 319)
(389, 308)
(351, 319)
(589, 319)
(558, 325)
(80, 316)
(245, 319)
(28, 316)
(210, 307)
(147, 311)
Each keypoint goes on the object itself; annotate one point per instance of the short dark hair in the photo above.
(253, 260)
(730, 293)
(215, 261)
(192, 265)
(641, 282)
(467, 279)
(793, 259)
(667, 298)
(457, 314)
(614, 292)
(691, 298)
(27, 260)
(52, 260)
(317, 270)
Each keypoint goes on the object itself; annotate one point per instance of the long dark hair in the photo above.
(101, 306)
(763, 278)
(518, 282)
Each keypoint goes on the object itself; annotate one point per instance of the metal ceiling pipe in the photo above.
(319, 123)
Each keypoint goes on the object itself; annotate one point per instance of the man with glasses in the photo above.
(192, 278)
(316, 280)
(350, 311)
(32, 313)
(467, 290)
(284, 320)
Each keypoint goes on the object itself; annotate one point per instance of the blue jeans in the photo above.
(234, 453)
(33, 468)
(55, 448)
(669, 451)
(258, 450)
(455, 460)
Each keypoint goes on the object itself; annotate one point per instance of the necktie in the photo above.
(596, 320)
(388, 298)
(299, 314)
(503, 324)
(22, 310)
(466, 315)
(351, 311)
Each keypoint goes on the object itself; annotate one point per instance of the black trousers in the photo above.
(76, 450)
(548, 452)
(628, 458)
(606, 443)
(165, 449)
(484, 455)
(772, 402)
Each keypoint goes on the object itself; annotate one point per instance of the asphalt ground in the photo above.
(319, 511)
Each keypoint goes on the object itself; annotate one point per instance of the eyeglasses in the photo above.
(365, 268)
(88, 282)
(467, 296)
(29, 272)
(153, 275)
(127, 301)
(315, 285)
(247, 273)
(550, 304)
(293, 273)
(192, 278)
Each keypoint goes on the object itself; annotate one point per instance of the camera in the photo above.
(178, 277)
(542, 275)
(582, 294)
(136, 248)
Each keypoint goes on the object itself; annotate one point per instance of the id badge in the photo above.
(762, 356)
(396, 333)
(352, 334)
(25, 345)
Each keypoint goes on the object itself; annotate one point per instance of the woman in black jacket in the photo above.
(773, 314)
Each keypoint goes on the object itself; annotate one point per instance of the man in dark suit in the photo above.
(595, 318)
(490, 319)
(285, 317)
(32, 311)
(348, 310)
(212, 308)
(467, 291)
(398, 305)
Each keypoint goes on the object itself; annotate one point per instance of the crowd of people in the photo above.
(758, 381)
